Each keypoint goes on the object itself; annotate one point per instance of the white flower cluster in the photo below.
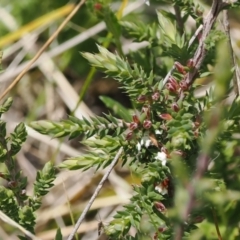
(145, 141)
(161, 189)
(162, 156)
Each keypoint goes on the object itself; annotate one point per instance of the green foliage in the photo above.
(189, 9)
(13, 199)
(8, 203)
(184, 148)
(74, 126)
(100, 154)
(58, 235)
(140, 32)
(117, 108)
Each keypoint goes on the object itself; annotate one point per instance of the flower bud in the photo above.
(180, 68)
(183, 85)
(196, 133)
(133, 126)
(161, 229)
(159, 206)
(171, 88)
(165, 116)
(175, 107)
(196, 124)
(129, 136)
(135, 119)
(155, 96)
(173, 81)
(147, 124)
(146, 110)
(142, 98)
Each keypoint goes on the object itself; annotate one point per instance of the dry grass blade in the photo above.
(40, 22)
(8, 220)
(43, 48)
(69, 43)
(99, 187)
(65, 90)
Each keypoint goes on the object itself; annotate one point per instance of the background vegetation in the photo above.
(64, 83)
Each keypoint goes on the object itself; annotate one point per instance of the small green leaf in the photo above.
(6, 105)
(205, 74)
(58, 235)
(117, 108)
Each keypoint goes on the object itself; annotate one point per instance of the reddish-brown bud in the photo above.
(12, 184)
(165, 116)
(142, 98)
(135, 119)
(171, 88)
(183, 85)
(180, 68)
(173, 81)
(97, 6)
(190, 63)
(146, 110)
(133, 126)
(165, 182)
(161, 229)
(129, 136)
(147, 124)
(155, 96)
(175, 107)
(159, 206)
(196, 133)
(196, 124)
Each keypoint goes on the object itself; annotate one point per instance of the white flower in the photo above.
(145, 141)
(162, 156)
(161, 189)
(139, 146)
(158, 132)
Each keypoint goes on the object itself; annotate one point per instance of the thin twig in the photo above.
(195, 35)
(189, 44)
(43, 48)
(8, 220)
(200, 53)
(236, 80)
(7, 75)
(216, 224)
(99, 187)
